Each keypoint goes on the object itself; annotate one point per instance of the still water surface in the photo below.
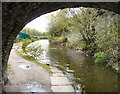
(81, 70)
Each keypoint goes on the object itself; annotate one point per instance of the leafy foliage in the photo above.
(26, 42)
(27, 57)
(34, 51)
(95, 31)
(57, 26)
(100, 57)
(33, 32)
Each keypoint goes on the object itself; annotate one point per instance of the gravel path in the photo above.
(26, 76)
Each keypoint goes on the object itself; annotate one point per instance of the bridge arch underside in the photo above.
(16, 15)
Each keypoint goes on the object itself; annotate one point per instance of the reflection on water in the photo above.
(80, 69)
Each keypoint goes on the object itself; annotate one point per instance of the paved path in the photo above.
(32, 78)
(28, 77)
(60, 82)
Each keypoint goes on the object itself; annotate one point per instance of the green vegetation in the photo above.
(35, 52)
(9, 69)
(63, 38)
(94, 31)
(29, 58)
(57, 27)
(17, 40)
(26, 42)
(33, 32)
(100, 57)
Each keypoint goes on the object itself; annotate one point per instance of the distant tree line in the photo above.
(33, 32)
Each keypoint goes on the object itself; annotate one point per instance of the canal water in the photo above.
(82, 72)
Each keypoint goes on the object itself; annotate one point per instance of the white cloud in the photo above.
(41, 23)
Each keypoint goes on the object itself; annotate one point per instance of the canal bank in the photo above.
(60, 82)
(80, 69)
(57, 82)
(26, 76)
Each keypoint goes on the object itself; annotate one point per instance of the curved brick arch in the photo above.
(17, 15)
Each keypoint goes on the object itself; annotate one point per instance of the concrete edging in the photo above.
(60, 82)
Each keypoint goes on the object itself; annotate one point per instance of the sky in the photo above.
(41, 23)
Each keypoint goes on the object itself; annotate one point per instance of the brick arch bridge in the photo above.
(16, 15)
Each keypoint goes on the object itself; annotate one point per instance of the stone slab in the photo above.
(58, 75)
(12, 88)
(68, 88)
(55, 70)
(59, 81)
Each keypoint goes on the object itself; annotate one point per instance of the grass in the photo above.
(9, 69)
(29, 58)
(25, 42)
(17, 40)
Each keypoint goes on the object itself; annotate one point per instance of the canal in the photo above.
(82, 72)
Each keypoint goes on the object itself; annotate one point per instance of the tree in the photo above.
(57, 24)
(31, 31)
(97, 29)
(34, 51)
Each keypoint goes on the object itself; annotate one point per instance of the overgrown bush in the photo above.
(99, 32)
(100, 57)
(63, 38)
(25, 43)
(17, 40)
(34, 51)
(34, 39)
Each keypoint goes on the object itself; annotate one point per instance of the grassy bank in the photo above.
(23, 54)
(29, 58)
(9, 69)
